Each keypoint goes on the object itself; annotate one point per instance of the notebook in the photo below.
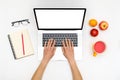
(21, 43)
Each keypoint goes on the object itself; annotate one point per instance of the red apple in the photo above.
(103, 25)
(94, 32)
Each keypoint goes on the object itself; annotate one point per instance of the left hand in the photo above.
(49, 49)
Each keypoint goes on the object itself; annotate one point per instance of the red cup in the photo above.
(98, 48)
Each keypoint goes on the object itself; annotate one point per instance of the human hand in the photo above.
(49, 49)
(68, 49)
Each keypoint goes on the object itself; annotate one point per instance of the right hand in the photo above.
(68, 49)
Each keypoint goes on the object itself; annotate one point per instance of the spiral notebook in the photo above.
(21, 43)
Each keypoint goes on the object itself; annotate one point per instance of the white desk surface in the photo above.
(103, 67)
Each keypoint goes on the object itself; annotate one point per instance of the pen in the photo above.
(23, 44)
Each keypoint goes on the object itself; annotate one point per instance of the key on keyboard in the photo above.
(59, 37)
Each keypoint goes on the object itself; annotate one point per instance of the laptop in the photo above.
(59, 24)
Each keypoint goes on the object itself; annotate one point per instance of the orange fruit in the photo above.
(92, 22)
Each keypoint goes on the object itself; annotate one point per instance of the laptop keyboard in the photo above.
(59, 37)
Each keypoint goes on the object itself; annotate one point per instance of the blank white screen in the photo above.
(59, 19)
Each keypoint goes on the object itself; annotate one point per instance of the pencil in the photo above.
(23, 44)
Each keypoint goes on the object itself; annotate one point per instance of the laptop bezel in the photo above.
(59, 9)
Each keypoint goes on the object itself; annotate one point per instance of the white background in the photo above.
(103, 67)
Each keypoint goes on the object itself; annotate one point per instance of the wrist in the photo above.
(44, 61)
(71, 61)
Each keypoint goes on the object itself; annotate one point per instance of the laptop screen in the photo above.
(59, 18)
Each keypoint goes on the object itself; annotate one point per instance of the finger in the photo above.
(69, 43)
(63, 47)
(53, 43)
(72, 44)
(49, 42)
(45, 45)
(66, 42)
(63, 43)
